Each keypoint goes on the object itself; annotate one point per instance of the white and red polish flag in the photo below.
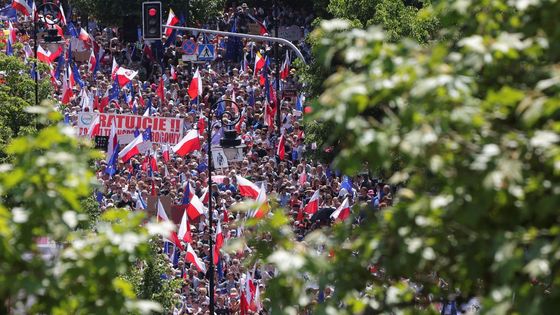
(94, 128)
(313, 204)
(195, 208)
(342, 212)
(188, 144)
(162, 216)
(131, 149)
(262, 204)
(219, 242)
(172, 20)
(92, 61)
(114, 68)
(195, 87)
(246, 187)
(185, 229)
(281, 150)
(165, 152)
(193, 259)
(125, 75)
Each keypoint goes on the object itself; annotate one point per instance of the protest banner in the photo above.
(164, 129)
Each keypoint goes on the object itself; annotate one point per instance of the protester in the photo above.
(87, 73)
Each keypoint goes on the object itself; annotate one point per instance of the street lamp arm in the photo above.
(242, 35)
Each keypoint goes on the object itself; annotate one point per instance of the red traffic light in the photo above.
(152, 12)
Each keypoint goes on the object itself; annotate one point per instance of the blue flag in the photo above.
(99, 196)
(221, 108)
(186, 193)
(67, 119)
(76, 75)
(9, 50)
(346, 184)
(112, 165)
(147, 134)
(114, 91)
(8, 13)
(71, 29)
(61, 63)
(136, 132)
(299, 102)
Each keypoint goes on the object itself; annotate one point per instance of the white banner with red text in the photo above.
(164, 129)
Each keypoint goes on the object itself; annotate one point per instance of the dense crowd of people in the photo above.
(161, 88)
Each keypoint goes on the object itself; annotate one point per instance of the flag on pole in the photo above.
(342, 212)
(172, 20)
(195, 87)
(247, 188)
(285, 70)
(185, 229)
(162, 216)
(195, 208)
(193, 259)
(188, 144)
(281, 150)
(131, 149)
(218, 243)
(313, 204)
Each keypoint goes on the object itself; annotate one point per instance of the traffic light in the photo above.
(151, 20)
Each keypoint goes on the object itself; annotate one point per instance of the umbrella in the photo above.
(322, 214)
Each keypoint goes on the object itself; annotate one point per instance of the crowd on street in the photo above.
(151, 80)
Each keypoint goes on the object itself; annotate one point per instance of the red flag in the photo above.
(219, 242)
(281, 150)
(160, 90)
(201, 123)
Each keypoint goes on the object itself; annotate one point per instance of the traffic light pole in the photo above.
(242, 35)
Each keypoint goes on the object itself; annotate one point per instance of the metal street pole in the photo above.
(233, 119)
(210, 212)
(277, 73)
(35, 44)
(242, 35)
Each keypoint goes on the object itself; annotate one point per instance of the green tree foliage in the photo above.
(111, 12)
(40, 197)
(152, 278)
(16, 95)
(475, 121)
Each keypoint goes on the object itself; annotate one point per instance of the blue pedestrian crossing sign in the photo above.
(206, 52)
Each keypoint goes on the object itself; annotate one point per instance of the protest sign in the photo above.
(164, 129)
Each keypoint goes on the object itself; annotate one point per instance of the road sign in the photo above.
(189, 47)
(188, 58)
(206, 52)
